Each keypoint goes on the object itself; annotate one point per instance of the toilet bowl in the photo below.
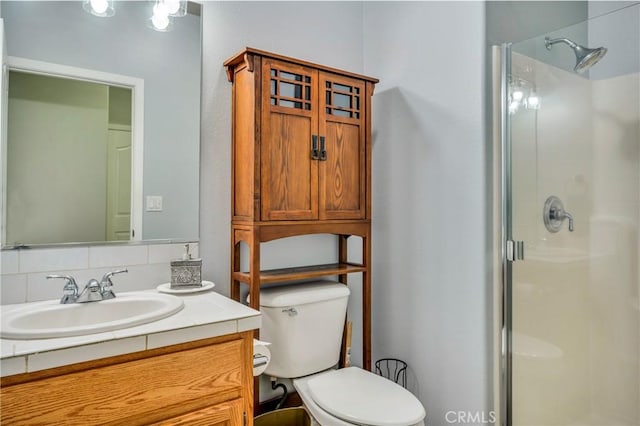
(304, 324)
(352, 396)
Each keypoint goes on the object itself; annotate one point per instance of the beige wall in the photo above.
(613, 285)
(53, 123)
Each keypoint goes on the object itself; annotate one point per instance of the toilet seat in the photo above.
(356, 396)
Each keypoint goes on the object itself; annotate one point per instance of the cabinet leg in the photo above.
(366, 303)
(254, 273)
(343, 255)
(235, 267)
(254, 302)
(343, 258)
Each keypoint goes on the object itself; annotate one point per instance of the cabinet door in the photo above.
(288, 173)
(226, 414)
(342, 169)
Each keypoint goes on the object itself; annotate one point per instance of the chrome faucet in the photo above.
(70, 289)
(106, 286)
(94, 291)
(91, 292)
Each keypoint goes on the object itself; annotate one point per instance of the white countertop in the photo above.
(204, 315)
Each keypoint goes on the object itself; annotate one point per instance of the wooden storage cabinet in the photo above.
(301, 164)
(300, 137)
(206, 382)
(312, 144)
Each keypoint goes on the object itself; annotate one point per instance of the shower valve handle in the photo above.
(561, 215)
(554, 215)
(567, 215)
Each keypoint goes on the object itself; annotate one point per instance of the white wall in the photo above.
(514, 21)
(328, 33)
(619, 32)
(431, 298)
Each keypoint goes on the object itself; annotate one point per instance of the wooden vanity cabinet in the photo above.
(301, 164)
(205, 382)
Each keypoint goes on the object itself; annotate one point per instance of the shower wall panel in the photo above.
(613, 275)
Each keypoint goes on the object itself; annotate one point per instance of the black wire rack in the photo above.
(392, 369)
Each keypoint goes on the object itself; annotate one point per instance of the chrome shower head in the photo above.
(585, 57)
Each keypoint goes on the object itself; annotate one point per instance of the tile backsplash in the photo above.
(23, 272)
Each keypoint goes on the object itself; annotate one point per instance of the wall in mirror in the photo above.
(168, 64)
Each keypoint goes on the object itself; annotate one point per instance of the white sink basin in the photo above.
(50, 319)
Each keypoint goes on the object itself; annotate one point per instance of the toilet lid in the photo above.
(361, 397)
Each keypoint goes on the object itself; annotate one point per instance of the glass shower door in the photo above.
(575, 203)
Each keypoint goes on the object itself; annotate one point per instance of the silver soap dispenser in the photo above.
(186, 272)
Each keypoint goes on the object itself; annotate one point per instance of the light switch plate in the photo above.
(154, 203)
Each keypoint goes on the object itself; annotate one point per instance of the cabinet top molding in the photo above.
(245, 57)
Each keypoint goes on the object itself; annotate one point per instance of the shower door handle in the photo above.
(514, 250)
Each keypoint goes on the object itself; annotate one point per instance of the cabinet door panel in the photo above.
(226, 414)
(342, 183)
(289, 174)
(342, 190)
(130, 393)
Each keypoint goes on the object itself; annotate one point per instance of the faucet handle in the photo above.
(108, 275)
(70, 289)
(106, 284)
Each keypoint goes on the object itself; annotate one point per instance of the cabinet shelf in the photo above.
(299, 273)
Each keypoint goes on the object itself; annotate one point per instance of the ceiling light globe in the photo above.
(517, 95)
(99, 6)
(160, 22)
(160, 9)
(173, 6)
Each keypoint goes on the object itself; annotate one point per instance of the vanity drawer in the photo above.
(140, 391)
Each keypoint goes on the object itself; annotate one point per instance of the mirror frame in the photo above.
(136, 85)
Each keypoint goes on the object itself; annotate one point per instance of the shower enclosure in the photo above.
(570, 216)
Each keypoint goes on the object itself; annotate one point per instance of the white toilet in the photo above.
(304, 324)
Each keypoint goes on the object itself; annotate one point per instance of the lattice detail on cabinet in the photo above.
(290, 90)
(342, 100)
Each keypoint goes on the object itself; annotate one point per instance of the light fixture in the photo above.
(522, 93)
(177, 8)
(532, 101)
(101, 8)
(160, 20)
(517, 94)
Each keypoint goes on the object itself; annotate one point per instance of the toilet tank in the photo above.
(304, 324)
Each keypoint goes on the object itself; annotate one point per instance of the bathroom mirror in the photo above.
(149, 83)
